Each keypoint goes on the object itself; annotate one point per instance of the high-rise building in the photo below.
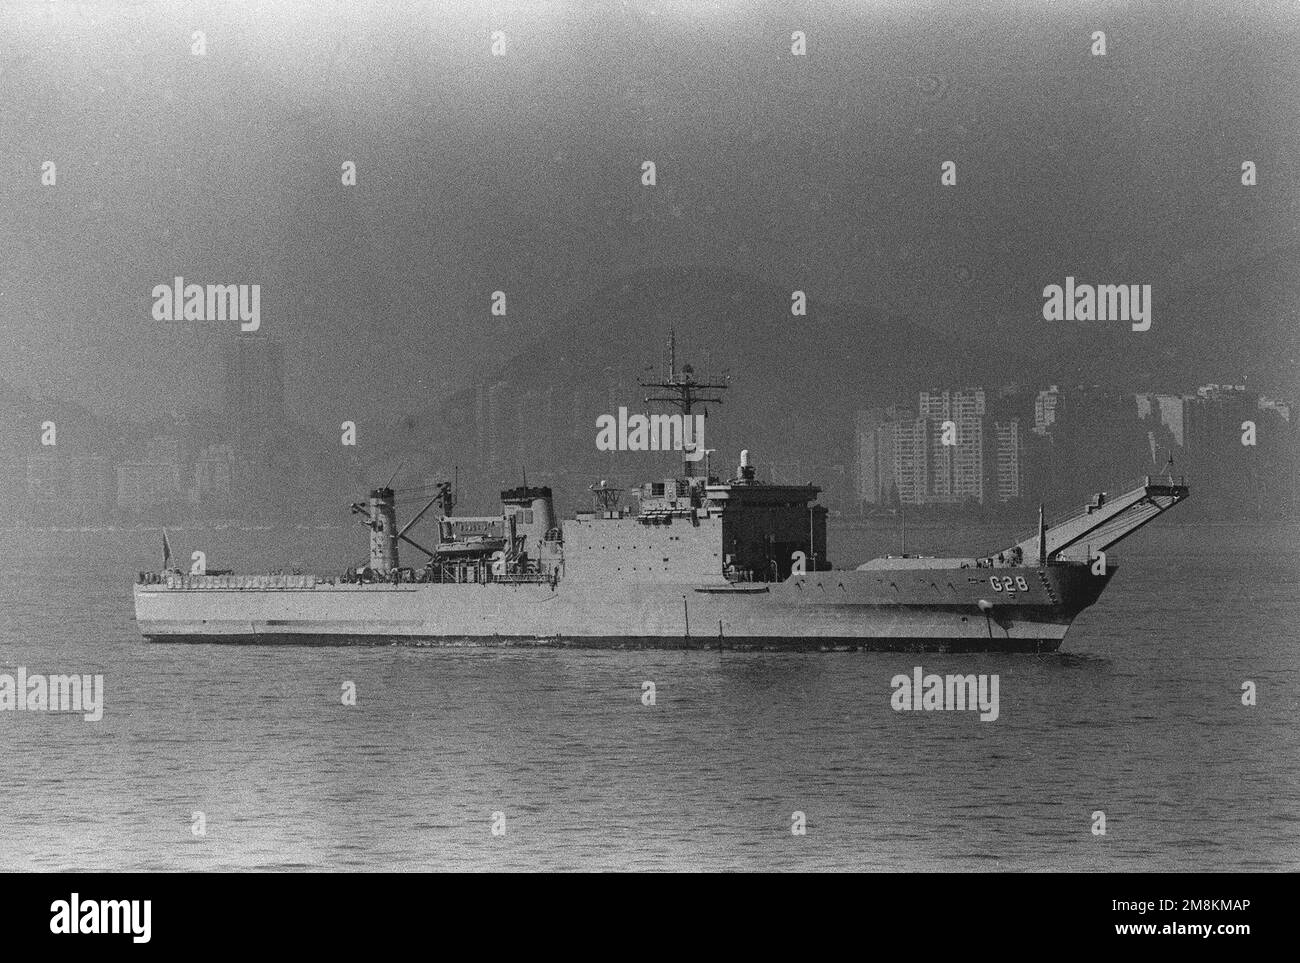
(1167, 409)
(967, 480)
(253, 379)
(496, 418)
(1046, 409)
(216, 478)
(534, 430)
(481, 447)
(909, 446)
(1172, 408)
(1009, 470)
(950, 405)
(957, 463)
(955, 450)
(501, 421)
(874, 454)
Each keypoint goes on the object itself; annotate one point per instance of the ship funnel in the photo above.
(383, 531)
(744, 458)
(532, 513)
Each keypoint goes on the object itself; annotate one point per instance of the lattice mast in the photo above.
(683, 392)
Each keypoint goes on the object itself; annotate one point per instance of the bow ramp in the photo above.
(1102, 522)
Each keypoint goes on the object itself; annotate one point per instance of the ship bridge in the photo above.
(698, 530)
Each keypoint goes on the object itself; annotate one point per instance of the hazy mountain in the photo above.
(795, 381)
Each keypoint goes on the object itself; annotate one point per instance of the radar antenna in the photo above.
(606, 498)
(683, 392)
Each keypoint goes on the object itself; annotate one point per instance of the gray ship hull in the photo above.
(1022, 609)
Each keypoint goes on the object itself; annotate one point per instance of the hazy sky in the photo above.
(522, 173)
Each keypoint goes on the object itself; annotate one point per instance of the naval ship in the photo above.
(691, 561)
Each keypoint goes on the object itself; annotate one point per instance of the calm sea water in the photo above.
(1140, 717)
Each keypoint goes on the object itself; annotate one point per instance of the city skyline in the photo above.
(954, 446)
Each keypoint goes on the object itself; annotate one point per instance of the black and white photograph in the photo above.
(650, 436)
